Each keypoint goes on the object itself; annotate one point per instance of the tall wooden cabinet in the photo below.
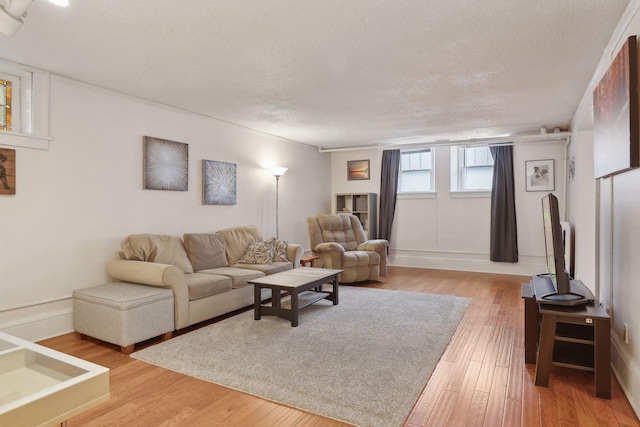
(362, 205)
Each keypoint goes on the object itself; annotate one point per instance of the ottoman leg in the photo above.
(127, 350)
(166, 336)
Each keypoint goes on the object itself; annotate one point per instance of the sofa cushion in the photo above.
(203, 285)
(239, 276)
(267, 269)
(205, 250)
(156, 248)
(258, 253)
(237, 240)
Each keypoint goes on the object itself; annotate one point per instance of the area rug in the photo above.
(364, 361)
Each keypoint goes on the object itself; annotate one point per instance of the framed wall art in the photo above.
(615, 115)
(357, 169)
(166, 165)
(7, 171)
(218, 183)
(540, 175)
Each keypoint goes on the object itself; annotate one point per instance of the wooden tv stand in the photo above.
(575, 337)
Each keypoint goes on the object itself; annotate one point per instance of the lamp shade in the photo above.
(279, 171)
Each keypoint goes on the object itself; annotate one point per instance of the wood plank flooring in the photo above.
(481, 380)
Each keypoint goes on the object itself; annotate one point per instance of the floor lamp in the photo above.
(277, 172)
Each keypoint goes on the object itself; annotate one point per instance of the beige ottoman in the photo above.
(123, 313)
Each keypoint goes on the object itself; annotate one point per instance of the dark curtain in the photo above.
(388, 191)
(504, 236)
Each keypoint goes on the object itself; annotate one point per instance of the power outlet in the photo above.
(626, 333)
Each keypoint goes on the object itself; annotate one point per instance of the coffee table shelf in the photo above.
(304, 299)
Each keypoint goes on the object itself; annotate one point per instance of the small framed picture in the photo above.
(540, 175)
(357, 169)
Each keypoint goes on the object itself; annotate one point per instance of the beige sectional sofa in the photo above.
(207, 272)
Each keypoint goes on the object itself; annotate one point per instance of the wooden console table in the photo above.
(574, 337)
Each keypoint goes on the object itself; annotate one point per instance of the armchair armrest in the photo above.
(373, 245)
(330, 254)
(328, 247)
(156, 274)
(380, 246)
(294, 253)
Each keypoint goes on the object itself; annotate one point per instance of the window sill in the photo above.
(430, 195)
(470, 194)
(24, 140)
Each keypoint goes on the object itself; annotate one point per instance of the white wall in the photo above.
(76, 201)
(606, 214)
(450, 231)
(582, 215)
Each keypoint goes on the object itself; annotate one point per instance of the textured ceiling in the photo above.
(334, 73)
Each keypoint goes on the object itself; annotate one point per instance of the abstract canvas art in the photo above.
(218, 183)
(166, 165)
(616, 133)
(7, 171)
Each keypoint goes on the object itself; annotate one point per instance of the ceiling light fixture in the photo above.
(12, 12)
(11, 15)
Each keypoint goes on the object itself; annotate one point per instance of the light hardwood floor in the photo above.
(480, 380)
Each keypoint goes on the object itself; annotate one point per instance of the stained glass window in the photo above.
(5, 105)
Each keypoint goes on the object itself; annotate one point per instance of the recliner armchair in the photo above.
(340, 242)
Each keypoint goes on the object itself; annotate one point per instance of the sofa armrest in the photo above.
(380, 246)
(156, 274)
(294, 253)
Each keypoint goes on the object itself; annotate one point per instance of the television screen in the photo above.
(554, 245)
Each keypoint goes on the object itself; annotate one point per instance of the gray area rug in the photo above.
(364, 361)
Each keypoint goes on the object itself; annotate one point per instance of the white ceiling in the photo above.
(334, 73)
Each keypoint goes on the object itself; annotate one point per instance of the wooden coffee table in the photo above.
(304, 285)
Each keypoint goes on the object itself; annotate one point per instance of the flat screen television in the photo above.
(554, 245)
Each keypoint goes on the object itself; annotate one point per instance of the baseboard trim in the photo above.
(479, 263)
(35, 323)
(627, 372)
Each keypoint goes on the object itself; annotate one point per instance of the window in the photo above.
(24, 106)
(5, 104)
(416, 171)
(471, 168)
(15, 100)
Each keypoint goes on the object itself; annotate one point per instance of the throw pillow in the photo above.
(205, 250)
(257, 253)
(279, 249)
(157, 248)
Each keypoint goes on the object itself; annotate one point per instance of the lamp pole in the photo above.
(277, 222)
(278, 172)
